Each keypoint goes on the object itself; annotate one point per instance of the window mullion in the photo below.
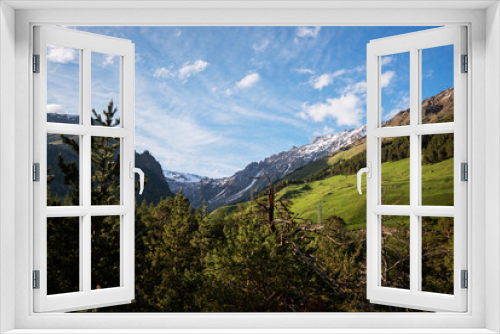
(86, 174)
(415, 171)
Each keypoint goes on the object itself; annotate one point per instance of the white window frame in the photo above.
(482, 315)
(86, 44)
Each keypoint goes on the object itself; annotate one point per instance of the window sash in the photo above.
(414, 298)
(85, 298)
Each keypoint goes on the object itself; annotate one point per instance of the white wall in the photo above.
(492, 149)
(7, 160)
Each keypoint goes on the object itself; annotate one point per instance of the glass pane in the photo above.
(395, 89)
(63, 84)
(105, 90)
(437, 254)
(63, 255)
(105, 171)
(395, 248)
(105, 252)
(437, 170)
(437, 84)
(63, 170)
(395, 171)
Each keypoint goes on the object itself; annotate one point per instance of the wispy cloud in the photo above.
(260, 47)
(108, 60)
(308, 32)
(325, 79)
(386, 60)
(304, 71)
(248, 81)
(386, 78)
(187, 70)
(355, 88)
(60, 54)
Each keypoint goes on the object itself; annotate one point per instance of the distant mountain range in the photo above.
(240, 186)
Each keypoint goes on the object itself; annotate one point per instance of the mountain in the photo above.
(156, 186)
(435, 109)
(63, 118)
(241, 185)
(182, 177)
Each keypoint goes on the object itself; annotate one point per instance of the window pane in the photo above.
(395, 89)
(395, 171)
(437, 170)
(105, 90)
(63, 255)
(437, 84)
(437, 254)
(63, 170)
(105, 252)
(395, 248)
(63, 84)
(105, 171)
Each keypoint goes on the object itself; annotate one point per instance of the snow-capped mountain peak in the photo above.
(182, 177)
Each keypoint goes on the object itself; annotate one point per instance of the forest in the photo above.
(259, 256)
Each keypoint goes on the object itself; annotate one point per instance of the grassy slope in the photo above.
(339, 194)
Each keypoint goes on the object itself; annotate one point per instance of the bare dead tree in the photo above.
(270, 205)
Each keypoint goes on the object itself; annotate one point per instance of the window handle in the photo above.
(368, 171)
(139, 171)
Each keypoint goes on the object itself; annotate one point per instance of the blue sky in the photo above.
(210, 100)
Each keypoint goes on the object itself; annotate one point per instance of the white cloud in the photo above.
(178, 33)
(386, 60)
(60, 54)
(308, 31)
(386, 78)
(325, 79)
(108, 60)
(248, 81)
(322, 81)
(261, 47)
(187, 70)
(346, 110)
(304, 71)
(54, 108)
